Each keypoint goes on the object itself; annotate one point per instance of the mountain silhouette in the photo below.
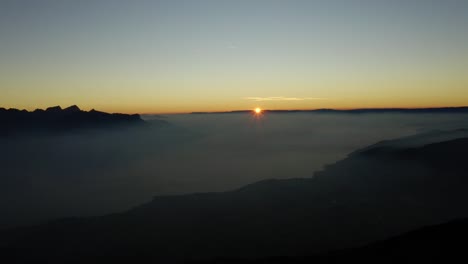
(371, 195)
(72, 109)
(55, 119)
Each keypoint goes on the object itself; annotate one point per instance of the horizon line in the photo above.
(464, 107)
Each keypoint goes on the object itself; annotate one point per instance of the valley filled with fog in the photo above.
(98, 172)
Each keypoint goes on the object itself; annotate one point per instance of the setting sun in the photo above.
(258, 110)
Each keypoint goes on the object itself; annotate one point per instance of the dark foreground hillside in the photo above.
(379, 192)
(440, 243)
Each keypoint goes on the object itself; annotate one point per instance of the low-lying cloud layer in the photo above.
(93, 174)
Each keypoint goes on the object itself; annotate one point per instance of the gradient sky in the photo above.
(181, 56)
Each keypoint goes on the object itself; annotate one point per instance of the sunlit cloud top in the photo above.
(282, 98)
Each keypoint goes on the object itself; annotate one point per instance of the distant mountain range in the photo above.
(15, 122)
(374, 194)
(442, 110)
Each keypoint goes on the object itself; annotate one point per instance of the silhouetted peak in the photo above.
(54, 109)
(73, 108)
(96, 111)
(61, 120)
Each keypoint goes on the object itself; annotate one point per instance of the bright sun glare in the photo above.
(258, 110)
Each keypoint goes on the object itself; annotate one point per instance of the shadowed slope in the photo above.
(431, 244)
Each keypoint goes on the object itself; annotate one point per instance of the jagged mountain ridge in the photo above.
(16, 122)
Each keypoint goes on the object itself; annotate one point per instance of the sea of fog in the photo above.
(95, 173)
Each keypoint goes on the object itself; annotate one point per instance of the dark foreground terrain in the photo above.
(375, 194)
(440, 243)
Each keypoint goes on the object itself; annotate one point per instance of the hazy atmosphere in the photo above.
(95, 173)
(233, 131)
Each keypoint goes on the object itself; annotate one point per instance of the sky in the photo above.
(174, 56)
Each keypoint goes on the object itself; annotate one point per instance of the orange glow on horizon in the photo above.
(148, 109)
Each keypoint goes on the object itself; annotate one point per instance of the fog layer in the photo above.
(95, 173)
